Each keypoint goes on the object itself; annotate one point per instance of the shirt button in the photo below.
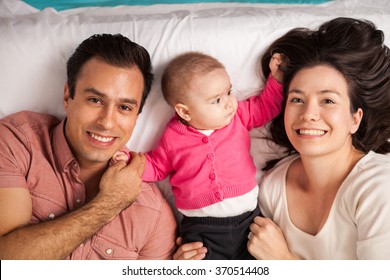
(109, 251)
(210, 156)
(52, 216)
(78, 201)
(205, 140)
(212, 176)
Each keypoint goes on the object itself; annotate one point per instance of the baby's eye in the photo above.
(217, 101)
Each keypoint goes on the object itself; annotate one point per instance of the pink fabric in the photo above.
(203, 169)
(34, 154)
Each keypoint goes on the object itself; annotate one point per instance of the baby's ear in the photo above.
(183, 111)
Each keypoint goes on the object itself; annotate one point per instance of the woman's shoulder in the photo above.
(281, 166)
(275, 178)
(374, 163)
(369, 180)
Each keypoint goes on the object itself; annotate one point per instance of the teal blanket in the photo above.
(71, 4)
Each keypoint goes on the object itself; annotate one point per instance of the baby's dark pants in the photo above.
(225, 238)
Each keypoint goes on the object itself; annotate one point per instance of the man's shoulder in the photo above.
(31, 119)
(150, 197)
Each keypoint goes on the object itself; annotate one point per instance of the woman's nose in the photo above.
(310, 112)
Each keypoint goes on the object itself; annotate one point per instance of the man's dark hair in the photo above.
(116, 50)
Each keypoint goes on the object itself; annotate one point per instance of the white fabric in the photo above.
(228, 207)
(35, 45)
(358, 225)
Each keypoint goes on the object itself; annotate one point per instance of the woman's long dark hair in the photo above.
(356, 49)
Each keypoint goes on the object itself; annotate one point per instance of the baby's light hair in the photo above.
(181, 71)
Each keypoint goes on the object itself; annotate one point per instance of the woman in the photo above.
(329, 197)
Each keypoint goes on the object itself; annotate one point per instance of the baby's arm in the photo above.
(260, 109)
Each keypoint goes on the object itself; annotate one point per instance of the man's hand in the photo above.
(189, 251)
(121, 183)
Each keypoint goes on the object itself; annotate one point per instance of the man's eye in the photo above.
(217, 101)
(94, 100)
(126, 108)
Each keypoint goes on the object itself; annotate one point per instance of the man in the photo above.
(59, 199)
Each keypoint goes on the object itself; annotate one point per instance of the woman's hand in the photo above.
(267, 242)
(189, 251)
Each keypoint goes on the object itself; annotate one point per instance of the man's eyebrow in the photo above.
(105, 96)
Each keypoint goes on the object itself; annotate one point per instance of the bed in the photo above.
(36, 43)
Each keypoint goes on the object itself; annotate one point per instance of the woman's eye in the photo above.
(328, 101)
(296, 100)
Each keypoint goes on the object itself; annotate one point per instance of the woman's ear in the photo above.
(183, 111)
(357, 118)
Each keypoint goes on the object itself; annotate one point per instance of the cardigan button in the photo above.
(212, 176)
(218, 196)
(210, 156)
(205, 140)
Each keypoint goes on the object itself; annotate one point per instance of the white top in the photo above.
(358, 225)
(233, 206)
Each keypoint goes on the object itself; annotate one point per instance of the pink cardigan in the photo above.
(203, 169)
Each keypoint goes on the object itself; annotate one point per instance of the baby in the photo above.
(205, 149)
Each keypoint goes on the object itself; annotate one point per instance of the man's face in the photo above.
(102, 115)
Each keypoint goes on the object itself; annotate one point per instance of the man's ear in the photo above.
(66, 95)
(183, 111)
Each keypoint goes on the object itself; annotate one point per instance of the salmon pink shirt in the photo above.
(34, 154)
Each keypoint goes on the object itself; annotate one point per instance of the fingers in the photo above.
(142, 165)
(190, 251)
(179, 241)
(261, 221)
(137, 161)
(275, 64)
(277, 59)
(258, 224)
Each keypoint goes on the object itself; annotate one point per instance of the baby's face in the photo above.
(211, 102)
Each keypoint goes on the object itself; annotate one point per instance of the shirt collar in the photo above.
(62, 150)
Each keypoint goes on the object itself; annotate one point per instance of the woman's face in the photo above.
(318, 119)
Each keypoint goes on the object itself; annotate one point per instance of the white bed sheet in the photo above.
(35, 45)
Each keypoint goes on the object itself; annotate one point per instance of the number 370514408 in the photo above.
(237, 270)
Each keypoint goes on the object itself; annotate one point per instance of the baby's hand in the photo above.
(120, 155)
(274, 65)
